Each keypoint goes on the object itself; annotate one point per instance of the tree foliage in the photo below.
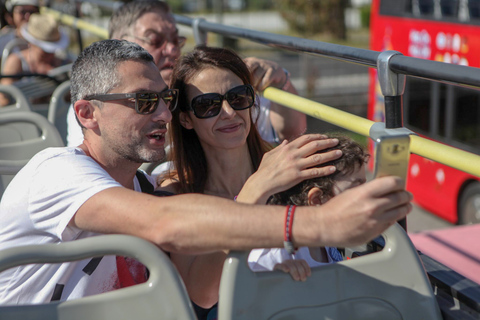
(311, 17)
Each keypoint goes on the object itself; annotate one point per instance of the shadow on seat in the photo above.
(390, 284)
(163, 296)
(22, 135)
(58, 109)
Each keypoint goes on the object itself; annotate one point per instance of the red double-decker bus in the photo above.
(441, 30)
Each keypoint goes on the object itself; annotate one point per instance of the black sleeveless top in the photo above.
(206, 314)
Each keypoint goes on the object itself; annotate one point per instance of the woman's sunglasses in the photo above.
(145, 102)
(209, 104)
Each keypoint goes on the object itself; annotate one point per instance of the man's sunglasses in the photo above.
(209, 104)
(145, 102)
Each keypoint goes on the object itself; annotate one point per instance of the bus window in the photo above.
(408, 7)
(417, 102)
(396, 7)
(426, 7)
(439, 104)
(474, 9)
(466, 117)
(449, 8)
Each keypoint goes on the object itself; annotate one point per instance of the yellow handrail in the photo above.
(76, 22)
(450, 156)
(320, 111)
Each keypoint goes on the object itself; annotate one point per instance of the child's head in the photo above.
(350, 173)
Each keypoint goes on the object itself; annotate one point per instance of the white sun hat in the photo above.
(43, 31)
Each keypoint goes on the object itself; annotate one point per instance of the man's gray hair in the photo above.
(96, 69)
(124, 18)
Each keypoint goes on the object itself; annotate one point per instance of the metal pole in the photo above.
(199, 35)
(77, 15)
(393, 87)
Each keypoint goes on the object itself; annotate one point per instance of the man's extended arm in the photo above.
(195, 223)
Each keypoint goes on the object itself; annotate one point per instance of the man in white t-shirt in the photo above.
(70, 193)
(151, 25)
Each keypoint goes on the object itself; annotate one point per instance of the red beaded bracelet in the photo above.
(287, 242)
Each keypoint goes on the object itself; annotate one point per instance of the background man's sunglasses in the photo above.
(145, 102)
(209, 104)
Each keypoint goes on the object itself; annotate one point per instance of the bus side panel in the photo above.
(434, 186)
(427, 39)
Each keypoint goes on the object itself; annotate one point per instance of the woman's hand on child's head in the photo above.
(299, 269)
(290, 163)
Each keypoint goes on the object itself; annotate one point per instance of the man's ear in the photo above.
(185, 120)
(316, 197)
(85, 112)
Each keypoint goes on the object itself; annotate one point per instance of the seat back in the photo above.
(163, 296)
(20, 102)
(58, 109)
(390, 284)
(16, 44)
(22, 135)
(38, 89)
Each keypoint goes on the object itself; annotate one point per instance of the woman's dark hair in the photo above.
(354, 156)
(186, 151)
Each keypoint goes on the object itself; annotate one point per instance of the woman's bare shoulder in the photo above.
(13, 65)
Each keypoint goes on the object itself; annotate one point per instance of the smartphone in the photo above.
(391, 156)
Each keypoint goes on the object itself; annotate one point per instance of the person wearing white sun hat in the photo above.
(43, 31)
(45, 39)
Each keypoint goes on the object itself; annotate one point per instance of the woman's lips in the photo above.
(230, 128)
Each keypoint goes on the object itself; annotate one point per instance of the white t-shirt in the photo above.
(36, 208)
(266, 259)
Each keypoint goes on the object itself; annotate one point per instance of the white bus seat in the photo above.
(22, 135)
(389, 284)
(148, 167)
(20, 102)
(163, 296)
(58, 109)
(13, 45)
(31, 88)
(63, 71)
